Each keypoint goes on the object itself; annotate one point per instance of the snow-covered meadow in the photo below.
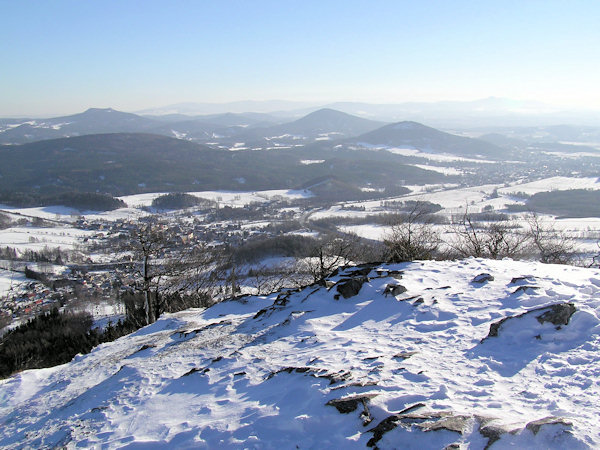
(38, 238)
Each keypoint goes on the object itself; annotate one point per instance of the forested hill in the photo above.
(126, 163)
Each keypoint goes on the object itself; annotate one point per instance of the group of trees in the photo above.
(179, 200)
(416, 237)
(92, 201)
(53, 338)
(54, 255)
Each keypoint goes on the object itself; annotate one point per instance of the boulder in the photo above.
(482, 278)
(351, 287)
(394, 289)
(535, 425)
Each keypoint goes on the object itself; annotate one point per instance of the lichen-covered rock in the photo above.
(558, 314)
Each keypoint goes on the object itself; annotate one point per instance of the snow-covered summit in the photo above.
(453, 354)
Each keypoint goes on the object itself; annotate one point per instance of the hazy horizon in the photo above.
(283, 105)
(66, 56)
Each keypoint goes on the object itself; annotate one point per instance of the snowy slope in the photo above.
(412, 367)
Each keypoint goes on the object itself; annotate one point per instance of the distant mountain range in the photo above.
(96, 121)
(151, 155)
(491, 111)
(92, 121)
(245, 127)
(239, 131)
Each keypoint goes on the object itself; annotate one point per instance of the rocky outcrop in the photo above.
(558, 314)
(431, 421)
(347, 405)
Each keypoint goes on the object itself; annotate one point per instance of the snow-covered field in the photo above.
(37, 238)
(440, 169)
(433, 156)
(137, 201)
(422, 366)
(552, 184)
(11, 282)
(456, 201)
(61, 213)
(231, 198)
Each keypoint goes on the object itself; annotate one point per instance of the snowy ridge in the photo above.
(477, 353)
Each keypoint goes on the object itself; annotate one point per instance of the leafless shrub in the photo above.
(488, 240)
(553, 246)
(330, 253)
(413, 236)
(272, 278)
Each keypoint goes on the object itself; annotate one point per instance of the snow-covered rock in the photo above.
(415, 367)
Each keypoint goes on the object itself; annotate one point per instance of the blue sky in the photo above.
(65, 56)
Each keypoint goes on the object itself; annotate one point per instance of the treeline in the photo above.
(5, 221)
(179, 200)
(53, 338)
(569, 203)
(289, 245)
(92, 201)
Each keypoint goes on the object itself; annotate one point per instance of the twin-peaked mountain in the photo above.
(324, 124)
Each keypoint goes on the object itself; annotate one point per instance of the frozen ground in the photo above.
(406, 358)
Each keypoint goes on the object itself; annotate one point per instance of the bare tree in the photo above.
(148, 244)
(413, 236)
(596, 258)
(168, 270)
(271, 278)
(191, 274)
(488, 240)
(330, 253)
(553, 246)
